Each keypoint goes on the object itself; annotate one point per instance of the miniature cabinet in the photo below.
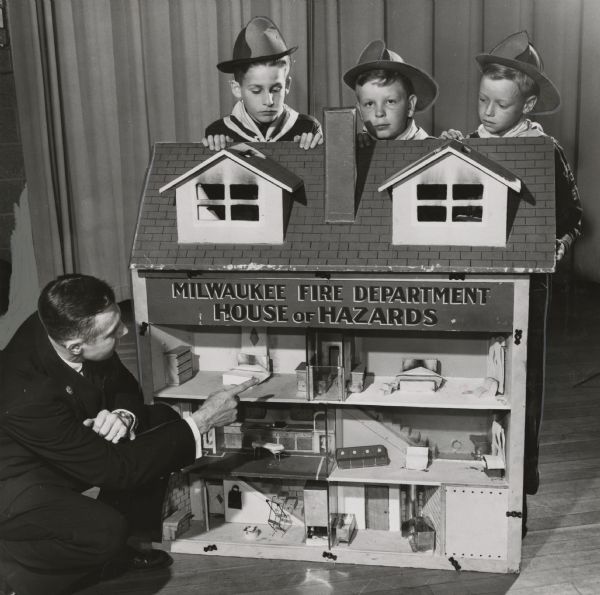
(388, 426)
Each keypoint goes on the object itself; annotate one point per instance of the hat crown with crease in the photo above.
(259, 41)
(517, 52)
(376, 56)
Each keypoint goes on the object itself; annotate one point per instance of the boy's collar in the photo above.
(242, 124)
(524, 127)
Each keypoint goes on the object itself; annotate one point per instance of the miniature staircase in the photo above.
(392, 435)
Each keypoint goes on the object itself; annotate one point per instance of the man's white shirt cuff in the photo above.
(197, 435)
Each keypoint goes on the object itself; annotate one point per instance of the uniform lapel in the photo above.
(83, 394)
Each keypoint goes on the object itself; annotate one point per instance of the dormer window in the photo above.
(450, 202)
(236, 196)
(227, 202)
(452, 196)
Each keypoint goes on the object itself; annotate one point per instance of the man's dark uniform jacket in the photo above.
(43, 403)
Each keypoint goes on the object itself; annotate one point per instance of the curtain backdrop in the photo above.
(100, 81)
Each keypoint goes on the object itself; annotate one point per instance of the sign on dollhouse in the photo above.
(358, 303)
(237, 196)
(452, 195)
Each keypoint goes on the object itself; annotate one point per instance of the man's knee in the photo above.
(109, 536)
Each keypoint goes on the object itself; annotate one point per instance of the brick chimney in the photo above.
(340, 164)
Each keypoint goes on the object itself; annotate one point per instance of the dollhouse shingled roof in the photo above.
(365, 245)
(462, 151)
(250, 158)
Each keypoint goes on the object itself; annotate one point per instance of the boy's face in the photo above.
(501, 104)
(385, 109)
(263, 90)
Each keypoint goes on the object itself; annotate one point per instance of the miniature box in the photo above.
(343, 527)
(421, 534)
(232, 435)
(301, 379)
(178, 365)
(362, 456)
(315, 504)
(494, 465)
(417, 457)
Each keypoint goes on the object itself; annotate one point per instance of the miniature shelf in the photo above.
(279, 388)
(441, 471)
(243, 464)
(455, 393)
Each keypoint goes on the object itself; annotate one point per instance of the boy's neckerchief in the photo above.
(243, 125)
(524, 127)
(412, 132)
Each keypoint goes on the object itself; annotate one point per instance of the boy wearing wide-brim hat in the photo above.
(260, 67)
(513, 87)
(389, 92)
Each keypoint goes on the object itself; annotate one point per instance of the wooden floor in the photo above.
(561, 553)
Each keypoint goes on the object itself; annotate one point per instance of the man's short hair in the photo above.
(67, 306)
(384, 77)
(240, 71)
(527, 86)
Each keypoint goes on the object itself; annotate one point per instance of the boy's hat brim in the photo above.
(259, 41)
(516, 51)
(377, 57)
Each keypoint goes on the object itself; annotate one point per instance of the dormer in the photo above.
(237, 196)
(452, 196)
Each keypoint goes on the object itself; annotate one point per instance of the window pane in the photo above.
(467, 214)
(467, 191)
(211, 213)
(243, 192)
(244, 212)
(431, 191)
(212, 191)
(431, 213)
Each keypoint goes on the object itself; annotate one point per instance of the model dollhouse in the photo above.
(380, 296)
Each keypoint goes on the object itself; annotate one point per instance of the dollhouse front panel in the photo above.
(476, 522)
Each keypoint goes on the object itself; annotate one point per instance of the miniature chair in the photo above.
(279, 519)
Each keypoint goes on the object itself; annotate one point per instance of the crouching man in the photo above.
(71, 417)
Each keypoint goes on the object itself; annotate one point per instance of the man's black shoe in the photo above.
(132, 559)
(148, 559)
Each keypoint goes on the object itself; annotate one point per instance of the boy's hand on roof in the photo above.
(308, 140)
(216, 142)
(363, 140)
(452, 134)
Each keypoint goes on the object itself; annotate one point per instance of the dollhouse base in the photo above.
(370, 547)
